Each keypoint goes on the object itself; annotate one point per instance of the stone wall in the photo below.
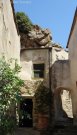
(60, 73)
(59, 68)
(39, 56)
(9, 38)
(36, 56)
(59, 53)
(73, 67)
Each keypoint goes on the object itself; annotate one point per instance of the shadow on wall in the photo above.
(60, 74)
(60, 85)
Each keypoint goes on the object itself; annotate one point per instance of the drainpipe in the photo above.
(50, 68)
(50, 91)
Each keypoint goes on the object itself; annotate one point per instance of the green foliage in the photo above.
(24, 23)
(10, 85)
(42, 100)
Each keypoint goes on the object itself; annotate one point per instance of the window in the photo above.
(38, 70)
(76, 83)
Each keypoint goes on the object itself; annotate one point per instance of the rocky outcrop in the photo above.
(37, 37)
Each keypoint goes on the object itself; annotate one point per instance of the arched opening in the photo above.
(63, 104)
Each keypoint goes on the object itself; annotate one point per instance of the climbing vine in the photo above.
(42, 99)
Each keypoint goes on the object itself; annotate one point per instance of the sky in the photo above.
(57, 15)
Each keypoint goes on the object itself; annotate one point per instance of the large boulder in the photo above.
(37, 37)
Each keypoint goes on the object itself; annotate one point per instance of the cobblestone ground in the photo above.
(69, 130)
(63, 129)
(27, 131)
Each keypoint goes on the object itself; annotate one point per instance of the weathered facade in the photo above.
(72, 46)
(31, 61)
(60, 81)
(45, 68)
(9, 37)
(54, 75)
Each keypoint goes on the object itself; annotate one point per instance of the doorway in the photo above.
(26, 116)
(63, 105)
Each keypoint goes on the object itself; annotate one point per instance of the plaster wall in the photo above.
(61, 84)
(30, 57)
(58, 65)
(60, 68)
(60, 73)
(61, 88)
(73, 67)
(59, 54)
(9, 38)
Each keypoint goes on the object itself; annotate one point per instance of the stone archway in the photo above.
(63, 104)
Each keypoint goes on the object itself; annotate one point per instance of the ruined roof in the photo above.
(72, 27)
(12, 5)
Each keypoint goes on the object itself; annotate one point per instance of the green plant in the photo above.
(10, 94)
(42, 100)
(24, 23)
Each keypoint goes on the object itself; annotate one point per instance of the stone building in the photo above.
(72, 46)
(47, 65)
(45, 70)
(36, 62)
(9, 36)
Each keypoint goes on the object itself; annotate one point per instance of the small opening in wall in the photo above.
(76, 83)
(10, 42)
(38, 70)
